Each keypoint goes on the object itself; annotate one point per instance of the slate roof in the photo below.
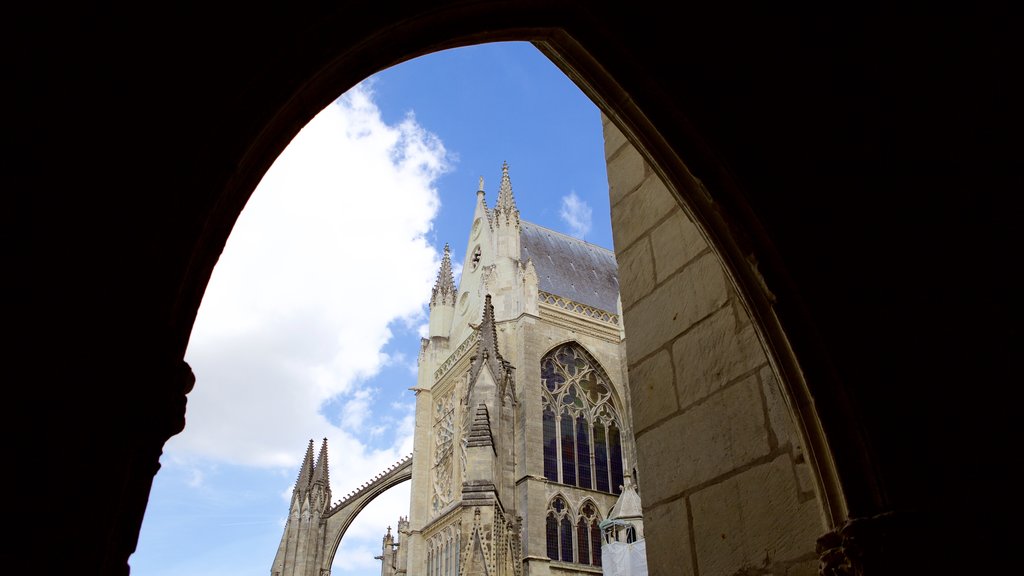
(570, 267)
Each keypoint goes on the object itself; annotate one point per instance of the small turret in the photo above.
(444, 291)
(442, 298)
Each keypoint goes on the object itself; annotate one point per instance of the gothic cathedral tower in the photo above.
(523, 442)
(522, 437)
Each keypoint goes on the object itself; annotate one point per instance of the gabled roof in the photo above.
(628, 505)
(570, 267)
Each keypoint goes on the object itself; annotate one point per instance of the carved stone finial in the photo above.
(481, 187)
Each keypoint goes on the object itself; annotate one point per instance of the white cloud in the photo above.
(329, 252)
(331, 249)
(576, 214)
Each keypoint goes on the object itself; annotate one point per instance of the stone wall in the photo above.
(722, 476)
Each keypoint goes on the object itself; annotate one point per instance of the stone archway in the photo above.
(730, 308)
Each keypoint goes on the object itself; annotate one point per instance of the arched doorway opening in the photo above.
(676, 221)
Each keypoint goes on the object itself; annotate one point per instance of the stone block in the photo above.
(754, 520)
(710, 440)
(804, 477)
(636, 272)
(667, 532)
(614, 139)
(652, 389)
(626, 171)
(675, 242)
(675, 306)
(639, 211)
(713, 354)
(779, 417)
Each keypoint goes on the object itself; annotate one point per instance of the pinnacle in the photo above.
(321, 470)
(488, 333)
(506, 204)
(444, 291)
(487, 351)
(306, 469)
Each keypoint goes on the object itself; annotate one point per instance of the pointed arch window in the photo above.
(588, 535)
(581, 428)
(571, 537)
(557, 517)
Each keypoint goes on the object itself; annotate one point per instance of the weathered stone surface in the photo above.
(804, 476)
(625, 172)
(668, 539)
(753, 520)
(779, 417)
(714, 354)
(803, 568)
(638, 211)
(675, 242)
(636, 272)
(675, 306)
(613, 137)
(713, 438)
(654, 395)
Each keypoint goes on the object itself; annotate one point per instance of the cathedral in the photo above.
(524, 461)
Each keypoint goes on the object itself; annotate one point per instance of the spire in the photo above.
(505, 210)
(487, 349)
(305, 471)
(488, 333)
(320, 471)
(444, 291)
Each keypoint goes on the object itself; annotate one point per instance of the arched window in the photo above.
(581, 429)
(572, 538)
(588, 535)
(559, 530)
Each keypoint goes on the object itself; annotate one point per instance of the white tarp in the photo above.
(622, 559)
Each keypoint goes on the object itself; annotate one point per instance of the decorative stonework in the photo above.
(444, 441)
(384, 477)
(444, 550)
(581, 427)
(578, 308)
(456, 355)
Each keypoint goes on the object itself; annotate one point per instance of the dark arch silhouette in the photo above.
(841, 161)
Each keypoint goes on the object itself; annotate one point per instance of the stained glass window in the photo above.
(581, 428)
(552, 537)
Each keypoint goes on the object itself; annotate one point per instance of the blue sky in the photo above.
(311, 323)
